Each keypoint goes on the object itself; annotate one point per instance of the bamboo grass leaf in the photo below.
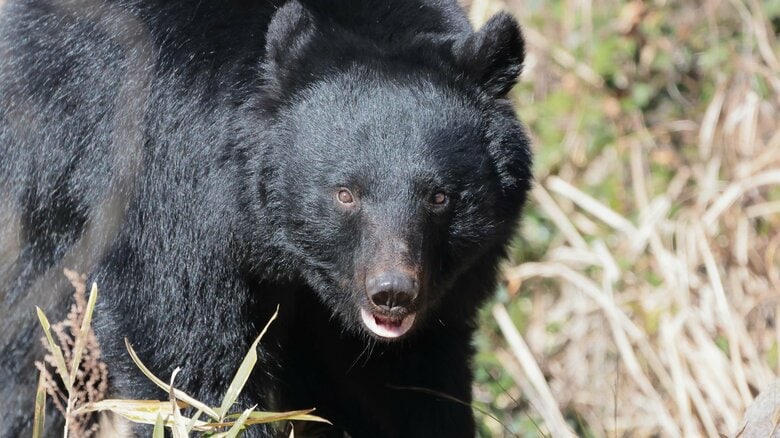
(239, 424)
(159, 427)
(40, 407)
(181, 395)
(242, 375)
(59, 359)
(137, 411)
(195, 418)
(260, 417)
(81, 341)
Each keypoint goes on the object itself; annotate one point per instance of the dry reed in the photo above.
(653, 307)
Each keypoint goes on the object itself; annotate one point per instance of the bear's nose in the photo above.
(392, 289)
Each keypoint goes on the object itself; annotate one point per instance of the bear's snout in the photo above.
(392, 296)
(391, 290)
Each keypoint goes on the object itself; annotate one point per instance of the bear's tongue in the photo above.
(386, 327)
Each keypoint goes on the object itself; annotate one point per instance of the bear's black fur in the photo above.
(206, 161)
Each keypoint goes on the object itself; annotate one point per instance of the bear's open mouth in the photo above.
(385, 326)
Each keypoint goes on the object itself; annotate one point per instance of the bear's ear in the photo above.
(494, 55)
(289, 33)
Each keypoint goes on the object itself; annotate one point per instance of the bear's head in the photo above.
(397, 165)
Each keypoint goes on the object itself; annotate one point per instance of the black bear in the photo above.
(356, 163)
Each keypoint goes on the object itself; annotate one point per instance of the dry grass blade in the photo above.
(81, 339)
(270, 417)
(39, 420)
(549, 408)
(775, 421)
(557, 215)
(142, 406)
(137, 411)
(591, 205)
(195, 418)
(260, 417)
(59, 359)
(244, 370)
(736, 190)
(453, 399)
(179, 427)
(181, 395)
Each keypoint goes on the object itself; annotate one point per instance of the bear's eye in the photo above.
(439, 199)
(345, 197)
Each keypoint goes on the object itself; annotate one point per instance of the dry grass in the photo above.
(90, 383)
(644, 295)
(79, 391)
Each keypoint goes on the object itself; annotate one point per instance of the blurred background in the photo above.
(642, 296)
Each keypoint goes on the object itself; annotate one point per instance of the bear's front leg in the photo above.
(433, 394)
